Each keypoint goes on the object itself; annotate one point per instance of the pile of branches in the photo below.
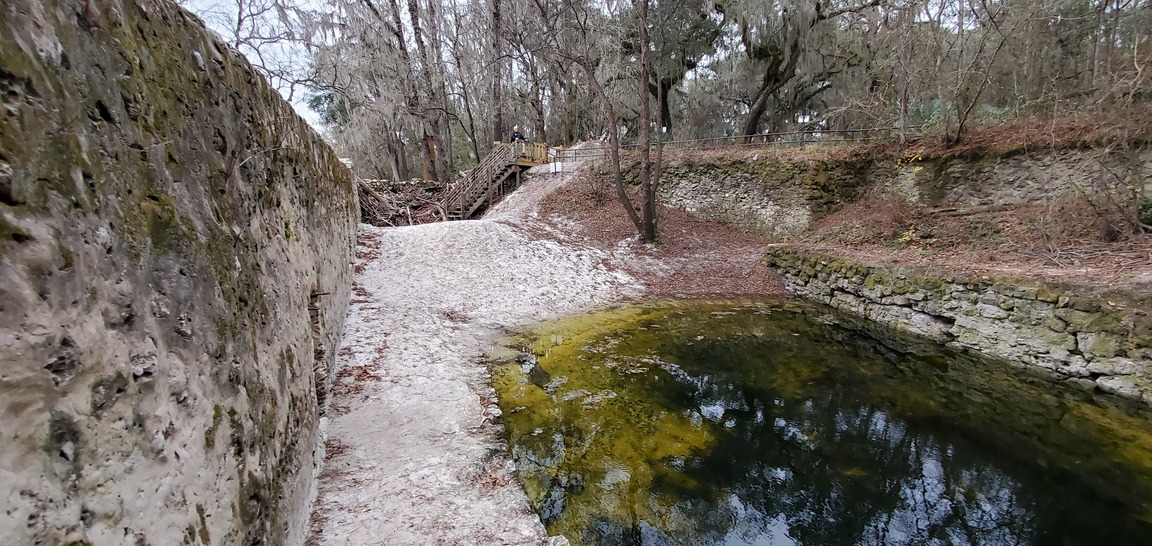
(385, 204)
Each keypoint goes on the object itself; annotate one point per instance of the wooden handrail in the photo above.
(486, 179)
(483, 173)
(535, 153)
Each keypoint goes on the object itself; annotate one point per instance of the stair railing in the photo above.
(468, 188)
(535, 153)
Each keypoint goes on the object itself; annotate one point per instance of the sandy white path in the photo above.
(415, 458)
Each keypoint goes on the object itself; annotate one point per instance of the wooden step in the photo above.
(495, 176)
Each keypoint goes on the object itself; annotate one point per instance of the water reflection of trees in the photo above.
(799, 459)
(837, 472)
(823, 470)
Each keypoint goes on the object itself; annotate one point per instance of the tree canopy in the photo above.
(422, 87)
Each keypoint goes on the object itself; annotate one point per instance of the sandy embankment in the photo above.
(414, 457)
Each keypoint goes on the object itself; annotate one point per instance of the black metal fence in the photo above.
(790, 138)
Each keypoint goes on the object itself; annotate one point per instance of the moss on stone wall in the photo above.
(148, 180)
(1101, 339)
(780, 198)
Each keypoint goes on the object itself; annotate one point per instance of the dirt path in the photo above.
(413, 454)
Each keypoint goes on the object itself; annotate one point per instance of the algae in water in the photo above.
(729, 422)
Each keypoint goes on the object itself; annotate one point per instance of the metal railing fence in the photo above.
(788, 138)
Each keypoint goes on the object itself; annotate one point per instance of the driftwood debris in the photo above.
(386, 204)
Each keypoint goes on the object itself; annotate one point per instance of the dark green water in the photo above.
(784, 423)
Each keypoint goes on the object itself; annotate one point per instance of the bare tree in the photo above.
(432, 82)
(649, 169)
(498, 125)
(269, 33)
(585, 36)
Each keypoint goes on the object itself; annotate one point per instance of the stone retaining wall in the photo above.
(780, 198)
(174, 275)
(1097, 341)
(767, 197)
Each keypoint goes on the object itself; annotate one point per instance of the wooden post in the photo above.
(491, 175)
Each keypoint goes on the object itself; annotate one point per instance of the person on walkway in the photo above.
(516, 141)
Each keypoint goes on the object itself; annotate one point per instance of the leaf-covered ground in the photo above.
(1068, 240)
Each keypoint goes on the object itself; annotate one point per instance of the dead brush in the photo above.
(409, 206)
(1109, 205)
(880, 216)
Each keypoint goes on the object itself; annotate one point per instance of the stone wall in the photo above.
(1019, 177)
(1100, 341)
(174, 274)
(767, 197)
(780, 198)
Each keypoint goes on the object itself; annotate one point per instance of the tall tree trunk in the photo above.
(570, 130)
(657, 169)
(498, 75)
(958, 92)
(428, 150)
(470, 129)
(415, 103)
(648, 233)
(1097, 35)
(432, 114)
(395, 157)
(613, 142)
(402, 160)
(538, 122)
(757, 109)
(905, 56)
(778, 73)
(444, 118)
(468, 123)
(904, 113)
(662, 91)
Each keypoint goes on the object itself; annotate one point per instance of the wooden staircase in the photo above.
(497, 175)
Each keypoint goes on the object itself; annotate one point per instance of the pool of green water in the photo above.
(778, 423)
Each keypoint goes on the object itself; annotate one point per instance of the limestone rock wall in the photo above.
(1099, 341)
(767, 197)
(174, 274)
(1017, 178)
(781, 198)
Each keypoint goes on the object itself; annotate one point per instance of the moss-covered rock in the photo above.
(778, 197)
(1102, 336)
(166, 221)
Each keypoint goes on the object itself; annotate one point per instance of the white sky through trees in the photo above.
(257, 28)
